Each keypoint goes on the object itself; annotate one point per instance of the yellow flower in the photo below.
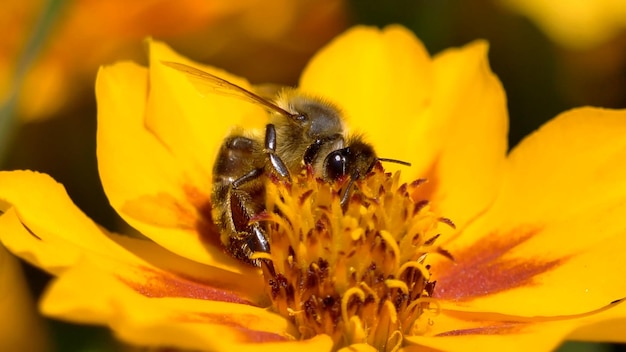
(534, 256)
(580, 24)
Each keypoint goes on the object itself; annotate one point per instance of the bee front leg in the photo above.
(270, 148)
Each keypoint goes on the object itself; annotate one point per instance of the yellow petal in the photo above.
(180, 276)
(147, 267)
(578, 25)
(446, 116)
(454, 330)
(606, 326)
(153, 163)
(105, 280)
(45, 228)
(556, 230)
(500, 336)
(382, 81)
(470, 98)
(94, 293)
(21, 324)
(42, 218)
(316, 344)
(571, 164)
(53, 255)
(512, 265)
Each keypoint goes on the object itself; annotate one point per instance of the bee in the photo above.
(302, 131)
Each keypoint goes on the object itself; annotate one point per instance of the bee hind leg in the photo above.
(248, 236)
(254, 240)
(243, 248)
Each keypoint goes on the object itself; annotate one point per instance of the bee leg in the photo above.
(251, 175)
(246, 236)
(241, 199)
(242, 211)
(346, 194)
(312, 151)
(245, 246)
(270, 148)
(258, 241)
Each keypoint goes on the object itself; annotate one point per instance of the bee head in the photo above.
(354, 161)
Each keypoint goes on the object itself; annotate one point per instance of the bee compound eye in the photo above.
(335, 165)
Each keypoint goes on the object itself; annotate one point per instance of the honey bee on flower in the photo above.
(303, 131)
(532, 250)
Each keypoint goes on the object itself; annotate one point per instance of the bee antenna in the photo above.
(395, 161)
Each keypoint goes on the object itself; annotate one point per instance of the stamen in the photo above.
(414, 265)
(396, 335)
(353, 291)
(353, 271)
(397, 284)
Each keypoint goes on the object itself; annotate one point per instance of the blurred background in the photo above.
(550, 55)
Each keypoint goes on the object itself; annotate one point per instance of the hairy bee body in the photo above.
(301, 131)
(234, 205)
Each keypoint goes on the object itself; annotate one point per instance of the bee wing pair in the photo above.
(210, 84)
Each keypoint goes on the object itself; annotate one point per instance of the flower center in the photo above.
(354, 272)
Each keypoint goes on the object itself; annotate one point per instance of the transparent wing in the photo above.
(208, 83)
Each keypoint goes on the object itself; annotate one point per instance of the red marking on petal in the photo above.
(501, 328)
(261, 336)
(205, 226)
(484, 269)
(158, 284)
(238, 322)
